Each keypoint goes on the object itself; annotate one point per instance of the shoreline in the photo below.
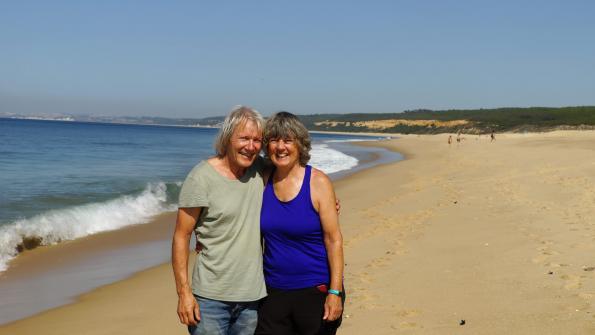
(496, 234)
(43, 265)
(73, 268)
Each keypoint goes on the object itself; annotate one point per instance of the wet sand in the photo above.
(52, 276)
(497, 234)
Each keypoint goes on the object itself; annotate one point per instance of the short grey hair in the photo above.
(238, 116)
(286, 125)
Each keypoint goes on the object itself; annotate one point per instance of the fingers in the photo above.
(181, 317)
(333, 314)
(192, 314)
(332, 308)
(188, 312)
(196, 313)
(184, 318)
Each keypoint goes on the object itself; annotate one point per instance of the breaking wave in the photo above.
(330, 160)
(74, 222)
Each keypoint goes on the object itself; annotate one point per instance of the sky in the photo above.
(200, 58)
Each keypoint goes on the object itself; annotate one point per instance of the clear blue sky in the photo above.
(199, 58)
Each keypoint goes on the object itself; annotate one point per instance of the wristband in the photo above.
(335, 292)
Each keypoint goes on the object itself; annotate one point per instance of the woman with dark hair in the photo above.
(303, 246)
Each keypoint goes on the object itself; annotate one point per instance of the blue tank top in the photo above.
(294, 253)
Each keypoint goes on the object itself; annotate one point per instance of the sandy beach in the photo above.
(498, 234)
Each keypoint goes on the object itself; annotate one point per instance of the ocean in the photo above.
(62, 181)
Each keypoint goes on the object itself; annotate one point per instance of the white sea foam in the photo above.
(75, 222)
(330, 160)
(348, 140)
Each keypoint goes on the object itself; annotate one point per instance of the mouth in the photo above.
(247, 155)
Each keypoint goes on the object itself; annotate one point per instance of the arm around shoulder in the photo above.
(324, 200)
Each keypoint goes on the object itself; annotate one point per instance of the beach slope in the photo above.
(479, 237)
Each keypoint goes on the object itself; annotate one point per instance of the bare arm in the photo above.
(188, 310)
(323, 196)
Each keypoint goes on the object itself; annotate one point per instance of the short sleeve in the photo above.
(193, 193)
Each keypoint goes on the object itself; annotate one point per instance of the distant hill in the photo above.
(422, 121)
(475, 121)
(471, 121)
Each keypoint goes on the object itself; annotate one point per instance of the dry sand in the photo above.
(500, 235)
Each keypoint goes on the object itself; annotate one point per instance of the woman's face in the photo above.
(283, 152)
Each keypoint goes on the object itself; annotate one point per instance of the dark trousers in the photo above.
(293, 312)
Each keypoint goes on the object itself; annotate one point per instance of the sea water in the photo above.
(61, 181)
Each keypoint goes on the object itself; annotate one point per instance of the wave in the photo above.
(330, 160)
(78, 221)
(367, 139)
(74, 222)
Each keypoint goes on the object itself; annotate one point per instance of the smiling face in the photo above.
(245, 145)
(287, 140)
(283, 152)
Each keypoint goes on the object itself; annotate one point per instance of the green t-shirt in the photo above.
(229, 267)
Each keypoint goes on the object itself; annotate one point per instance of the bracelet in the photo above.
(335, 292)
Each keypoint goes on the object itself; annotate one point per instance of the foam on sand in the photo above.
(71, 223)
(330, 160)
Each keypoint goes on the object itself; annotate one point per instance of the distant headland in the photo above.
(420, 121)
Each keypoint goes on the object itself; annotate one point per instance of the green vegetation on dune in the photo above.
(478, 120)
(422, 121)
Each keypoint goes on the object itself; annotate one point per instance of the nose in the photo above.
(251, 145)
(280, 144)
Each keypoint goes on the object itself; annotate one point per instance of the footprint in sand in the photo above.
(540, 259)
(407, 325)
(365, 278)
(572, 282)
(369, 306)
(408, 313)
(547, 251)
(380, 262)
(556, 265)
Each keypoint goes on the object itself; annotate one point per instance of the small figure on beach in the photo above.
(492, 137)
(449, 140)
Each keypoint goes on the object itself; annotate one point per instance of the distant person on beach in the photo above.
(221, 200)
(449, 139)
(492, 137)
(303, 245)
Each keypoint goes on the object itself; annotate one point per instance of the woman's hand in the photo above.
(333, 307)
